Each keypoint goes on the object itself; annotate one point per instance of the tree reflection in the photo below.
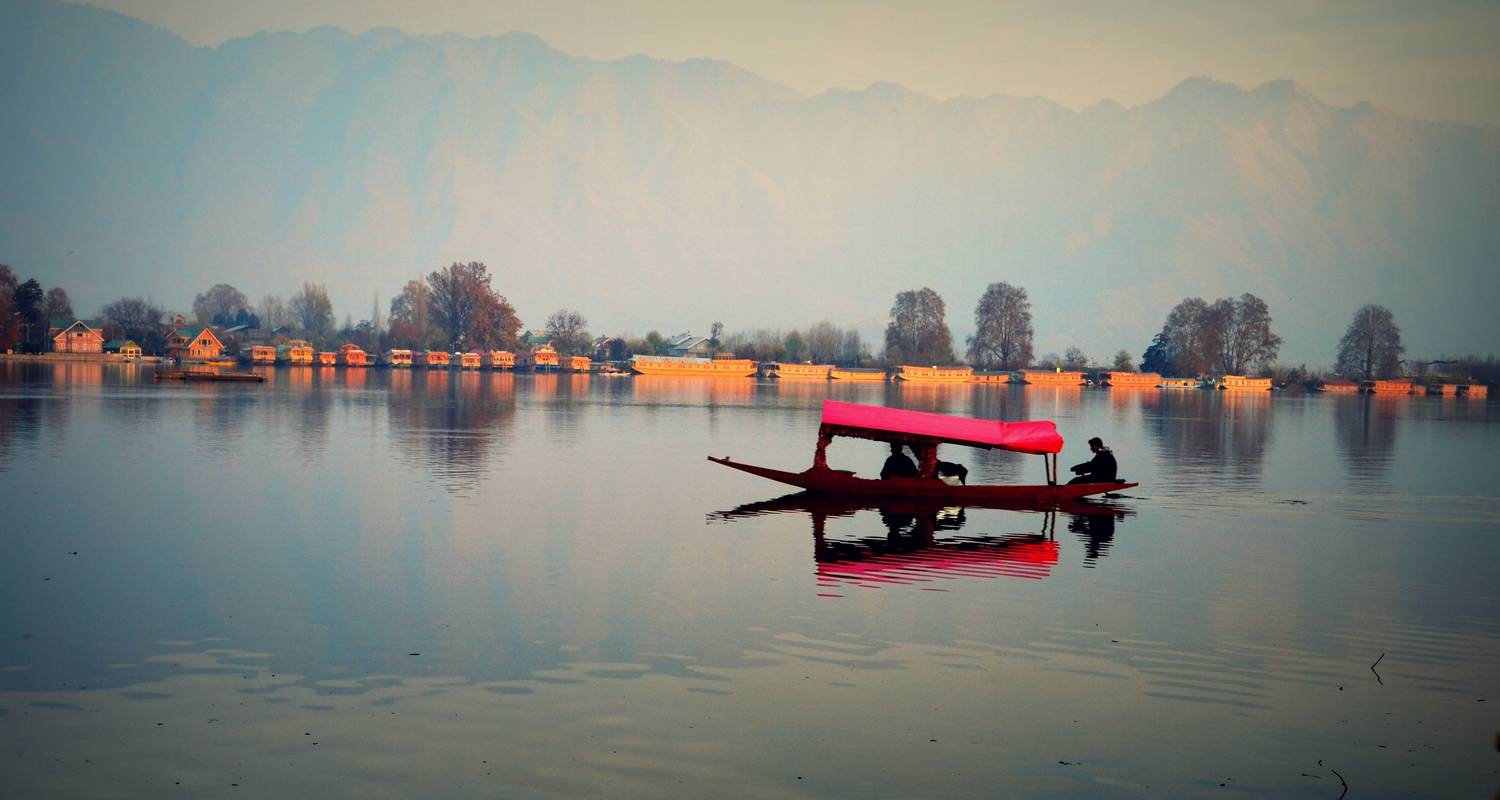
(1365, 426)
(1209, 434)
(447, 424)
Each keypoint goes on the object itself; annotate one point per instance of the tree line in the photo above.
(457, 308)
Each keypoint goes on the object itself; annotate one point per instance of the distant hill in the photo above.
(667, 195)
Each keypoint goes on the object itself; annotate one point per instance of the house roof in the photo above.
(194, 331)
(65, 324)
(116, 344)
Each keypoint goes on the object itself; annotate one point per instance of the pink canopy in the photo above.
(1035, 437)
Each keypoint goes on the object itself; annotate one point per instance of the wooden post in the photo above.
(927, 466)
(820, 456)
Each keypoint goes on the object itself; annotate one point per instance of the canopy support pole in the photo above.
(820, 455)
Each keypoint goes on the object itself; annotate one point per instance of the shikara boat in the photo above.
(923, 432)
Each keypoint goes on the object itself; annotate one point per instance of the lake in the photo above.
(373, 583)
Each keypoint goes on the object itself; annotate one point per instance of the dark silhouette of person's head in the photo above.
(895, 449)
(1096, 444)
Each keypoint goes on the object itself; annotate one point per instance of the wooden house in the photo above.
(470, 360)
(578, 363)
(327, 359)
(686, 345)
(540, 359)
(352, 355)
(499, 359)
(76, 336)
(194, 343)
(124, 348)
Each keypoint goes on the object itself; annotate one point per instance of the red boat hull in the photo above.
(832, 481)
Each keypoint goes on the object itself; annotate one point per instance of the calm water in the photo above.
(411, 584)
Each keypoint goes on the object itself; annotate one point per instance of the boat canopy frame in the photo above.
(1041, 437)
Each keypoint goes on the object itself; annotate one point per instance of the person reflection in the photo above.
(1096, 531)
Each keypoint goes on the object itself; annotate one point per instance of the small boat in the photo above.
(923, 432)
(220, 377)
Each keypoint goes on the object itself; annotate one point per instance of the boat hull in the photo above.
(844, 483)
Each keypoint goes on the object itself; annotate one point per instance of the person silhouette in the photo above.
(897, 465)
(1099, 469)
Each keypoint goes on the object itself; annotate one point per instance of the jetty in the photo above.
(219, 377)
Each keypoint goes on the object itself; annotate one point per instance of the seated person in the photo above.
(952, 474)
(898, 465)
(1100, 469)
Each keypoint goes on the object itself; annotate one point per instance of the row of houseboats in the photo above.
(546, 358)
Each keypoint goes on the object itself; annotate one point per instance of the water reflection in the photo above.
(1208, 435)
(1365, 428)
(447, 424)
(911, 552)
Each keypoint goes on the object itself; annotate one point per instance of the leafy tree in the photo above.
(1074, 359)
(221, 302)
(715, 331)
(619, 349)
(467, 311)
(1123, 362)
(796, 346)
(57, 305)
(31, 307)
(1002, 328)
(311, 310)
(1191, 334)
(569, 333)
(657, 344)
(918, 329)
(138, 319)
(1246, 342)
(1157, 357)
(1371, 347)
(411, 317)
(10, 316)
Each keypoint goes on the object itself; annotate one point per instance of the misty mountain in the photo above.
(650, 194)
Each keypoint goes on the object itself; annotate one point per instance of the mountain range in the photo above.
(651, 194)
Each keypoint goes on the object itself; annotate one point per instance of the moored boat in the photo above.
(857, 374)
(577, 363)
(1339, 387)
(397, 357)
(992, 377)
(499, 359)
(1181, 383)
(1047, 377)
(259, 354)
(328, 359)
(923, 432)
(432, 359)
(934, 374)
(1241, 383)
(1391, 387)
(297, 352)
(805, 372)
(1133, 380)
(719, 366)
(541, 359)
(470, 360)
(352, 355)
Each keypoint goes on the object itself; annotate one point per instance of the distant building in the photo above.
(603, 347)
(124, 348)
(194, 343)
(76, 336)
(688, 345)
(531, 338)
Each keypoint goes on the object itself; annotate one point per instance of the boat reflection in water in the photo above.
(912, 552)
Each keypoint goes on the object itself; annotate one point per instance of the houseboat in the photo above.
(798, 372)
(1181, 383)
(1477, 391)
(351, 355)
(1391, 387)
(577, 363)
(327, 359)
(991, 377)
(1044, 377)
(1244, 384)
(396, 358)
(1132, 380)
(470, 360)
(723, 365)
(542, 358)
(856, 374)
(914, 374)
(1444, 389)
(432, 359)
(499, 359)
(261, 354)
(1340, 387)
(296, 352)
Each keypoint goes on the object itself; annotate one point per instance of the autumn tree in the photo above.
(1123, 362)
(411, 317)
(219, 304)
(311, 310)
(1074, 359)
(569, 332)
(1002, 328)
(467, 310)
(918, 329)
(56, 304)
(1371, 347)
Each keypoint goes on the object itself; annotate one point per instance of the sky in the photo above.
(1432, 60)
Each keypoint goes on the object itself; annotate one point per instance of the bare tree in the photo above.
(1371, 347)
(823, 342)
(918, 329)
(311, 310)
(220, 303)
(411, 316)
(56, 305)
(1245, 339)
(272, 313)
(136, 318)
(1192, 335)
(569, 332)
(1002, 328)
(10, 315)
(1074, 358)
(852, 351)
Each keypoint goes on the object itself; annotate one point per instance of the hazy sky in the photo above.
(1435, 59)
